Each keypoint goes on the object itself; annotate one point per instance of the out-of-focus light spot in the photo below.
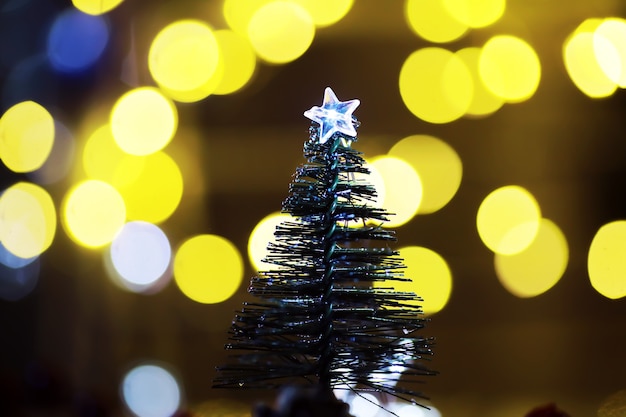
(610, 49)
(484, 102)
(26, 136)
(238, 61)
(208, 269)
(104, 160)
(261, 236)
(407, 410)
(438, 166)
(510, 68)
(60, 160)
(436, 85)
(537, 268)
(364, 405)
(143, 121)
(13, 261)
(431, 20)
(17, 283)
(281, 32)
(476, 13)
(93, 213)
(403, 189)
(96, 7)
(326, 12)
(151, 391)
(508, 220)
(430, 275)
(141, 254)
(238, 13)
(183, 59)
(579, 55)
(605, 262)
(76, 40)
(157, 190)
(27, 220)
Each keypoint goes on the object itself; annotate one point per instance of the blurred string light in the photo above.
(208, 268)
(140, 255)
(96, 7)
(605, 262)
(475, 13)
(436, 85)
(183, 60)
(402, 188)
(510, 68)
(61, 158)
(438, 165)
(431, 20)
(483, 102)
(76, 40)
(508, 220)
(430, 276)
(93, 212)
(27, 220)
(237, 61)
(260, 237)
(537, 268)
(150, 390)
(595, 56)
(27, 133)
(17, 282)
(281, 31)
(143, 121)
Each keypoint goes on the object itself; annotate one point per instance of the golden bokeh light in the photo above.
(157, 190)
(261, 236)
(237, 61)
(208, 269)
(537, 268)
(430, 276)
(183, 60)
(104, 160)
(238, 13)
(281, 31)
(605, 262)
(476, 13)
(143, 121)
(484, 102)
(27, 220)
(326, 12)
(508, 220)
(436, 85)
(96, 7)
(431, 20)
(438, 165)
(93, 213)
(610, 49)
(26, 136)
(403, 189)
(510, 68)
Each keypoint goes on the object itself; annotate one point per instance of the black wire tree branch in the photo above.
(323, 314)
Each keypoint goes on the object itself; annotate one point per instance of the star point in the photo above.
(333, 116)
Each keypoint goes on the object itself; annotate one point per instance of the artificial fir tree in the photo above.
(327, 313)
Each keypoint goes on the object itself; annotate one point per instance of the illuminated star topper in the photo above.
(333, 116)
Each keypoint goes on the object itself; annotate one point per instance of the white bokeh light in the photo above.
(151, 391)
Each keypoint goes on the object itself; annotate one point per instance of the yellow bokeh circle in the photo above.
(510, 68)
(27, 220)
(93, 213)
(605, 262)
(326, 12)
(431, 20)
(508, 220)
(183, 59)
(96, 7)
(537, 268)
(281, 31)
(261, 236)
(438, 165)
(143, 121)
(610, 49)
(436, 85)
(26, 136)
(208, 268)
(484, 102)
(476, 13)
(238, 61)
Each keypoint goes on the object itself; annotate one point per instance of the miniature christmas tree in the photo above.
(325, 314)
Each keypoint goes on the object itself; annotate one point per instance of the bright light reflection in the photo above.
(605, 262)
(261, 236)
(151, 391)
(610, 49)
(141, 254)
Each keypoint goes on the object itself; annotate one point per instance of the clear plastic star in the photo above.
(333, 116)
